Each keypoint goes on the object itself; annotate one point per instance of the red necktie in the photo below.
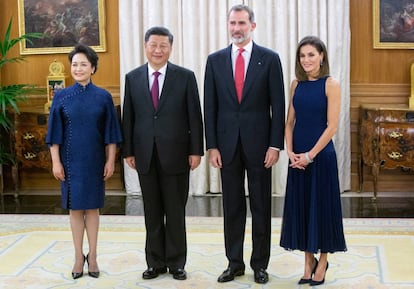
(239, 74)
(155, 91)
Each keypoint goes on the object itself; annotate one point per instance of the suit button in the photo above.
(155, 117)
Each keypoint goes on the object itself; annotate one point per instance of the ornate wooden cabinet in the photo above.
(30, 147)
(386, 138)
(33, 155)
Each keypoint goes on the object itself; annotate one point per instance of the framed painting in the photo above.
(63, 23)
(393, 24)
(53, 85)
(55, 81)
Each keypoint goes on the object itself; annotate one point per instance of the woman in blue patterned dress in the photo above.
(312, 217)
(83, 134)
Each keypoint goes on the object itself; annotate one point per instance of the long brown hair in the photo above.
(316, 42)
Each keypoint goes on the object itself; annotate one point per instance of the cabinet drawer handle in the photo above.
(27, 136)
(395, 155)
(395, 134)
(29, 156)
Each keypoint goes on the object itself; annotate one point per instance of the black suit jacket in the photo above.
(175, 127)
(259, 119)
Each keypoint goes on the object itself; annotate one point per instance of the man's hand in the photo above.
(215, 158)
(272, 156)
(131, 162)
(194, 161)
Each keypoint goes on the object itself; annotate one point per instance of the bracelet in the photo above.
(308, 159)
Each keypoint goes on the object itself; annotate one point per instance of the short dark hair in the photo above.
(90, 54)
(321, 48)
(158, 30)
(241, 7)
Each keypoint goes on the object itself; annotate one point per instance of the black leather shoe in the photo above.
(178, 274)
(307, 281)
(152, 272)
(92, 274)
(76, 275)
(261, 276)
(304, 281)
(229, 274)
(316, 283)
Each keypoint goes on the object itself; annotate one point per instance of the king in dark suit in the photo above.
(244, 120)
(163, 141)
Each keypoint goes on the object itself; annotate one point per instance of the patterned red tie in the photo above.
(155, 91)
(239, 74)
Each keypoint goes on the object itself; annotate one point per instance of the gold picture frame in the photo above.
(63, 23)
(393, 24)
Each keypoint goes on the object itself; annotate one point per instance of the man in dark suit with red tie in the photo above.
(163, 141)
(244, 112)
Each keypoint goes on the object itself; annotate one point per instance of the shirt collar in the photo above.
(248, 47)
(162, 70)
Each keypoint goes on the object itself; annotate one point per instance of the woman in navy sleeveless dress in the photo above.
(312, 217)
(83, 132)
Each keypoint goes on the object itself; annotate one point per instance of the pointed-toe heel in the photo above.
(304, 281)
(76, 275)
(308, 281)
(92, 274)
(316, 283)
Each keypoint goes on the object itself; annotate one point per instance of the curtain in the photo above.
(200, 28)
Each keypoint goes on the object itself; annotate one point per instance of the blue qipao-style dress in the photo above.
(312, 216)
(82, 121)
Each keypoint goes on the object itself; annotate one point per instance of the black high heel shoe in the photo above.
(92, 274)
(316, 283)
(76, 275)
(307, 281)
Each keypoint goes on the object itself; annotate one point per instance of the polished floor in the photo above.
(354, 205)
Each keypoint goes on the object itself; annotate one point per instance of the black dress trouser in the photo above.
(165, 197)
(234, 206)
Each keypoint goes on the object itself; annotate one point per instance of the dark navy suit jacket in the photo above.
(259, 119)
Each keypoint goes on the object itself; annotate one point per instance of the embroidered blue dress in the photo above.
(312, 216)
(82, 122)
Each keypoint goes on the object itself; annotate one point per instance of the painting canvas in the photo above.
(54, 85)
(393, 24)
(63, 23)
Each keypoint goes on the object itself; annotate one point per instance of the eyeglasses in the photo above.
(163, 46)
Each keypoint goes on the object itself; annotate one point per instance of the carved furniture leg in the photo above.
(375, 172)
(360, 173)
(15, 177)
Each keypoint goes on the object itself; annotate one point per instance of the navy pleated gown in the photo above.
(312, 217)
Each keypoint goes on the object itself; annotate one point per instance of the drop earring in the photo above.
(321, 63)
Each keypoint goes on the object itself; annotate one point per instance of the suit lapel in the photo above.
(170, 76)
(143, 81)
(255, 65)
(228, 77)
